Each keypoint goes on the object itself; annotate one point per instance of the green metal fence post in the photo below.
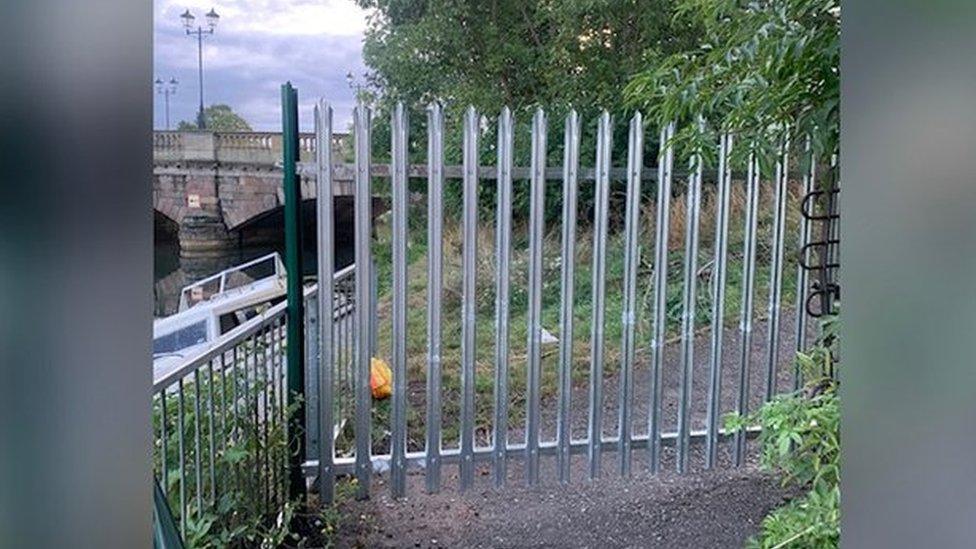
(293, 264)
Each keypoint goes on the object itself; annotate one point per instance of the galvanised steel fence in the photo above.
(754, 255)
(219, 419)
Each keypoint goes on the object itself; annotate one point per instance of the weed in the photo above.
(800, 438)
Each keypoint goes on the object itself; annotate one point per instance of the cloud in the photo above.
(259, 45)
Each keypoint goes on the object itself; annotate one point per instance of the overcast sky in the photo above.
(259, 45)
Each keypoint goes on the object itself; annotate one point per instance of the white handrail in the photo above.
(222, 276)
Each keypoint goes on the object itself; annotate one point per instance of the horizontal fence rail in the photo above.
(455, 172)
(644, 309)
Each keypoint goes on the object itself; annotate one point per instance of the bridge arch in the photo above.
(170, 207)
(266, 227)
(164, 225)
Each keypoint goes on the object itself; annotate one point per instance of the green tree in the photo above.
(762, 67)
(520, 53)
(219, 118)
(515, 52)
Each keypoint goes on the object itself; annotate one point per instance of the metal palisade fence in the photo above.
(672, 261)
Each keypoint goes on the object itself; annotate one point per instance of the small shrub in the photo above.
(250, 508)
(800, 439)
(811, 521)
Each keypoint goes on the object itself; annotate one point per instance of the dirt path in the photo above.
(717, 508)
(721, 508)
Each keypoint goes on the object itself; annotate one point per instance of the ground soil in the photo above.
(721, 507)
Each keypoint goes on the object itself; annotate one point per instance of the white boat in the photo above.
(213, 306)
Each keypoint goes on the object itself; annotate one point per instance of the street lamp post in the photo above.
(354, 84)
(166, 89)
(200, 32)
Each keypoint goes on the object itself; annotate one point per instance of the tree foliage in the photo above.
(515, 52)
(555, 54)
(763, 67)
(218, 118)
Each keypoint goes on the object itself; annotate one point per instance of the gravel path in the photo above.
(717, 508)
(721, 508)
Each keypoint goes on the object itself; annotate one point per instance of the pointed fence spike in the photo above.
(326, 267)
(534, 317)
(567, 266)
(503, 252)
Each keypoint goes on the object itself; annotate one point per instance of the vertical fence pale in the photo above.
(537, 195)
(776, 269)
(600, 208)
(659, 322)
(802, 278)
(398, 450)
(364, 282)
(468, 279)
(564, 433)
(688, 298)
(635, 160)
(435, 265)
(722, 195)
(325, 302)
(503, 252)
(748, 280)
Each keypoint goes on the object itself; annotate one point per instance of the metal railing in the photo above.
(669, 421)
(218, 423)
(219, 419)
(342, 340)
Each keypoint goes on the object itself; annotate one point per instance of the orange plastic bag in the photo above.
(380, 378)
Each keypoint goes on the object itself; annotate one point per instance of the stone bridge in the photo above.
(217, 188)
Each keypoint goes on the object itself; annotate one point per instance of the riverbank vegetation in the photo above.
(220, 457)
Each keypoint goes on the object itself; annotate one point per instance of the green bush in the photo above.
(800, 439)
(250, 508)
(811, 521)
